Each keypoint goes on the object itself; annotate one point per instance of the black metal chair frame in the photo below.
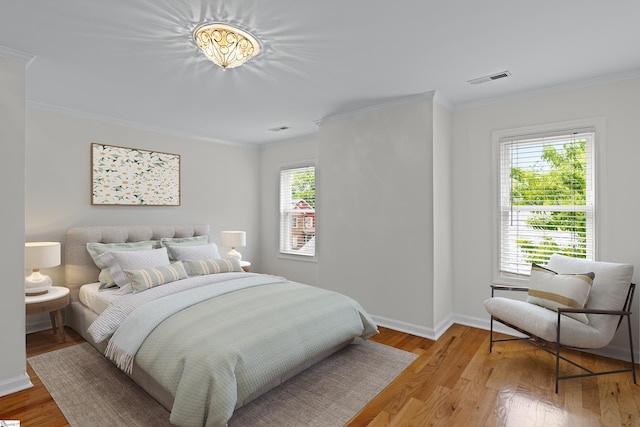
(542, 343)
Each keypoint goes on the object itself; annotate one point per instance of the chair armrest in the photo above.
(495, 287)
(594, 311)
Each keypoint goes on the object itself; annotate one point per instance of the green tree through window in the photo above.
(546, 198)
(559, 181)
(303, 186)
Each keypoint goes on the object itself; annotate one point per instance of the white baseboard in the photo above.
(15, 384)
(409, 328)
(413, 329)
(614, 352)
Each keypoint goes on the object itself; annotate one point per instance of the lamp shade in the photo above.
(233, 239)
(41, 255)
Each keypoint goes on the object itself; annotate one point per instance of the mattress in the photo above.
(96, 299)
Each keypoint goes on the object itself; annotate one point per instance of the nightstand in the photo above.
(246, 266)
(52, 302)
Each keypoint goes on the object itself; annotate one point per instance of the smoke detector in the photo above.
(496, 76)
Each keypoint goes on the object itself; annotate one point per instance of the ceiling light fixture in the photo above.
(225, 45)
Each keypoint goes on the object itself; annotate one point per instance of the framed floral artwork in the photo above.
(130, 176)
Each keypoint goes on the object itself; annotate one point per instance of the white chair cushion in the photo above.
(541, 322)
(609, 289)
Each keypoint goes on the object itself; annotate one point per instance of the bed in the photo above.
(198, 333)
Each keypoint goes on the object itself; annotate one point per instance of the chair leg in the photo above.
(633, 363)
(557, 352)
(491, 334)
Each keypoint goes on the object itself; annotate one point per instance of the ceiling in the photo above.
(135, 62)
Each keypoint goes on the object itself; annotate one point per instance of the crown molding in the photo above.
(16, 55)
(120, 122)
(426, 96)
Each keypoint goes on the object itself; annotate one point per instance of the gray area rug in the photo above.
(91, 391)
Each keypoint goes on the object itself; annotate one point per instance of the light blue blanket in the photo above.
(135, 328)
(214, 354)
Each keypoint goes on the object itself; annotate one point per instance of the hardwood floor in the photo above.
(453, 382)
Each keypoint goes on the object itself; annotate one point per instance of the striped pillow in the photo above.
(203, 267)
(141, 280)
(552, 290)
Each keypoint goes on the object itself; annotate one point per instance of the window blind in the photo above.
(547, 198)
(298, 211)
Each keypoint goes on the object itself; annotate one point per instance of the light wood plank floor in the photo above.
(453, 382)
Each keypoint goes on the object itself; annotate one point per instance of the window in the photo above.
(546, 200)
(298, 211)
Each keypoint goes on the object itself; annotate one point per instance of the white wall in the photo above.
(219, 183)
(442, 218)
(273, 158)
(13, 373)
(375, 206)
(618, 190)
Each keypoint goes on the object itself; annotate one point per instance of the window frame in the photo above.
(287, 255)
(498, 136)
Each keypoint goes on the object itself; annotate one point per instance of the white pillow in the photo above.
(96, 249)
(552, 290)
(118, 261)
(194, 252)
(168, 242)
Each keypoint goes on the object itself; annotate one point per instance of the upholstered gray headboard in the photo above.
(79, 267)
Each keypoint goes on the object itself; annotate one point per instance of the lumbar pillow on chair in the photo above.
(552, 290)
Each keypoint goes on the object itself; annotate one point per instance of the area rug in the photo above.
(90, 391)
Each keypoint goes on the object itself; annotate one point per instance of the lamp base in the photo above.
(234, 254)
(37, 284)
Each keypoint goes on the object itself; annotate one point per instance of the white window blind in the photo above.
(546, 198)
(298, 211)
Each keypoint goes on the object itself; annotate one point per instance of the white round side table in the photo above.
(52, 302)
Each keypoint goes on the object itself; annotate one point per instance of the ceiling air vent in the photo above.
(485, 79)
(279, 128)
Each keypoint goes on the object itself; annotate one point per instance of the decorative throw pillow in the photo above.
(147, 278)
(203, 267)
(168, 242)
(118, 261)
(193, 252)
(552, 290)
(96, 249)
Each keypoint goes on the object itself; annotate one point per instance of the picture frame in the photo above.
(134, 177)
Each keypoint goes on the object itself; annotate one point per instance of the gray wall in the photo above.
(13, 372)
(272, 159)
(384, 211)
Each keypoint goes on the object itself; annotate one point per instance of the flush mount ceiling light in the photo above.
(225, 45)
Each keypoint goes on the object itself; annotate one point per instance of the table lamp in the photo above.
(233, 239)
(39, 255)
